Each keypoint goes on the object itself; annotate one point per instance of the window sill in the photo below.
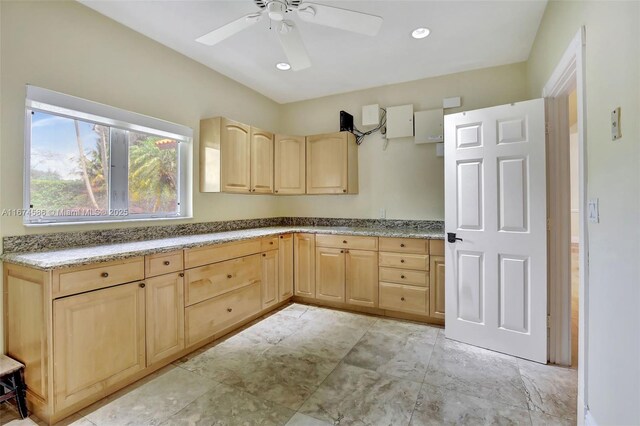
(95, 222)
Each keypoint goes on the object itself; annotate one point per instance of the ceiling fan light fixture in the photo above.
(276, 10)
(420, 33)
(283, 66)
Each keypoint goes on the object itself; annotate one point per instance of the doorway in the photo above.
(565, 95)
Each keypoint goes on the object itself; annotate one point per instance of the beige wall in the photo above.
(405, 179)
(612, 79)
(67, 47)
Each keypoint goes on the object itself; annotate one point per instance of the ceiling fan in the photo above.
(290, 39)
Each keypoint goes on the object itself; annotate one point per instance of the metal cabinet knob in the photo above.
(401, 260)
(104, 274)
(341, 251)
(264, 254)
(181, 274)
(229, 276)
(229, 309)
(402, 276)
(271, 242)
(344, 190)
(344, 241)
(167, 263)
(402, 245)
(402, 298)
(142, 285)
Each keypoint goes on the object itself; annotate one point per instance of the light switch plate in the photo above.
(593, 211)
(615, 125)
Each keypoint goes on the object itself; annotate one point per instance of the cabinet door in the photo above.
(98, 340)
(269, 278)
(261, 161)
(165, 316)
(436, 292)
(235, 141)
(305, 265)
(330, 274)
(290, 164)
(362, 278)
(285, 267)
(327, 164)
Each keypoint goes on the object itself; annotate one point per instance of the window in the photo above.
(91, 162)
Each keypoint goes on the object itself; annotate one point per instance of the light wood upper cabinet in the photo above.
(305, 265)
(330, 274)
(235, 145)
(261, 161)
(98, 339)
(290, 165)
(165, 316)
(362, 278)
(269, 278)
(332, 164)
(436, 293)
(285, 266)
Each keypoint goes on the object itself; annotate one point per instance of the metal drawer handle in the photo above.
(167, 263)
(229, 309)
(104, 274)
(229, 276)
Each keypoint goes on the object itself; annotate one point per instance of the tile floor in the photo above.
(312, 366)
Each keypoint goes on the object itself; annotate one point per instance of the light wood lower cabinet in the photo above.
(214, 315)
(404, 298)
(436, 281)
(330, 274)
(98, 339)
(304, 265)
(285, 266)
(165, 316)
(270, 291)
(362, 278)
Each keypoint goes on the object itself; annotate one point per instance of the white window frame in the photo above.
(50, 102)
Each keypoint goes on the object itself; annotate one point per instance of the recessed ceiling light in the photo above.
(419, 33)
(283, 66)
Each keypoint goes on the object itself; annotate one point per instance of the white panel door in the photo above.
(495, 203)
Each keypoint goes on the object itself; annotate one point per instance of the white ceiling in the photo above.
(465, 35)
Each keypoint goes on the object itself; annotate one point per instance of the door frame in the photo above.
(568, 74)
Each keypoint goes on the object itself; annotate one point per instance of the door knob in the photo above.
(451, 237)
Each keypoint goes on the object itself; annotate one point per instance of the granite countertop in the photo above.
(64, 258)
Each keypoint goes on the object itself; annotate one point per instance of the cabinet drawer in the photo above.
(398, 297)
(404, 276)
(92, 277)
(270, 243)
(406, 261)
(436, 247)
(405, 245)
(212, 254)
(163, 263)
(212, 280)
(214, 315)
(345, 241)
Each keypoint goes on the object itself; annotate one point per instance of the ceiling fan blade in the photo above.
(293, 46)
(344, 19)
(226, 31)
